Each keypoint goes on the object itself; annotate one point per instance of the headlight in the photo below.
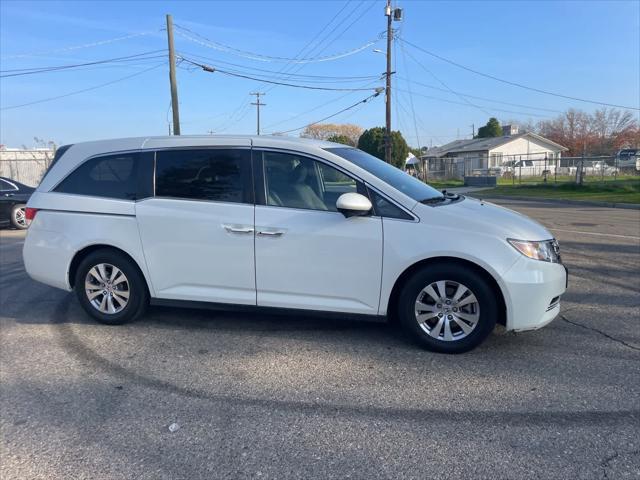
(547, 250)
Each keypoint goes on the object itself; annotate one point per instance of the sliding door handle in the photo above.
(270, 233)
(237, 229)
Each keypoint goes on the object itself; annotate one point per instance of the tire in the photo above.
(117, 308)
(426, 322)
(18, 218)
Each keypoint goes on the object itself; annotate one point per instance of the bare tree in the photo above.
(601, 133)
(324, 131)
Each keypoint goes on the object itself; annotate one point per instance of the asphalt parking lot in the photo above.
(295, 397)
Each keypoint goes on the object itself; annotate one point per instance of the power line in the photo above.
(413, 110)
(466, 104)
(464, 99)
(328, 78)
(365, 100)
(31, 71)
(290, 69)
(322, 43)
(317, 107)
(267, 58)
(243, 110)
(310, 42)
(210, 69)
(415, 82)
(278, 77)
(515, 84)
(77, 47)
(83, 90)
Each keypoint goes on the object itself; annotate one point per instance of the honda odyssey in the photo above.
(278, 223)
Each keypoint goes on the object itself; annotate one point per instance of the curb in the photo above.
(586, 203)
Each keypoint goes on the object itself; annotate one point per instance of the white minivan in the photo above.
(284, 224)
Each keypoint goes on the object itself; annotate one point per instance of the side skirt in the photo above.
(231, 307)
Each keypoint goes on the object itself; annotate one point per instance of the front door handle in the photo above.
(237, 229)
(270, 233)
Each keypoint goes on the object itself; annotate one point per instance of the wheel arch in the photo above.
(409, 271)
(82, 254)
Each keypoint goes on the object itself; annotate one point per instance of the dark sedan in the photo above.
(13, 201)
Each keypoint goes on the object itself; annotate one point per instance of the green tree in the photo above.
(491, 129)
(372, 142)
(341, 139)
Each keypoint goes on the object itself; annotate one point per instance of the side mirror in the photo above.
(353, 205)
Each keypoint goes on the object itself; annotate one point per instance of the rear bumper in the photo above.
(534, 290)
(47, 256)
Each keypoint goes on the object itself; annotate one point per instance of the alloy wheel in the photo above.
(21, 217)
(107, 288)
(447, 310)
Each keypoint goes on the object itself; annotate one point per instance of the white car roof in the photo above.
(168, 141)
(78, 152)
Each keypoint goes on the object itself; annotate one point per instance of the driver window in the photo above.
(296, 181)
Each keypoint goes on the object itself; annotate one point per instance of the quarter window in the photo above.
(222, 175)
(122, 176)
(6, 186)
(384, 208)
(296, 181)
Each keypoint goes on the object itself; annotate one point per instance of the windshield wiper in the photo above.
(433, 200)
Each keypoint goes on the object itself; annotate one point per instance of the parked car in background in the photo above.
(526, 168)
(13, 202)
(601, 168)
(283, 223)
(627, 158)
(593, 169)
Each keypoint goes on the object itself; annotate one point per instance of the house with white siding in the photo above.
(478, 155)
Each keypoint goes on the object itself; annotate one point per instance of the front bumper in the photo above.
(533, 291)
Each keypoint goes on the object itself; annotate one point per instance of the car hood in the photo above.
(478, 216)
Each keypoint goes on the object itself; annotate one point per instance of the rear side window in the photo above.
(6, 186)
(125, 176)
(222, 175)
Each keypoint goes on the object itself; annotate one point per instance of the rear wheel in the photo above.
(18, 216)
(110, 287)
(447, 308)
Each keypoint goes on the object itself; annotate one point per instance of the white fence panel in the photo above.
(25, 166)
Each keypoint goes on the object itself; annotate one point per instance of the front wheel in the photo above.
(447, 308)
(19, 217)
(110, 287)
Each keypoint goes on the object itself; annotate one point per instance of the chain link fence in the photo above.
(534, 169)
(25, 166)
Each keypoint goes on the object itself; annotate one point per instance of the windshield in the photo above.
(395, 177)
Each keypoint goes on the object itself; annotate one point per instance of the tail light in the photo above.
(30, 214)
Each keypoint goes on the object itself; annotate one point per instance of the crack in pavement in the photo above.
(606, 462)
(622, 342)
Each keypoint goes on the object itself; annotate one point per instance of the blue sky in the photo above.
(584, 49)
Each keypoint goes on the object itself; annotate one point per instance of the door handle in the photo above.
(270, 233)
(237, 229)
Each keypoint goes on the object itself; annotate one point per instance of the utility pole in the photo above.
(473, 129)
(258, 105)
(172, 77)
(387, 136)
